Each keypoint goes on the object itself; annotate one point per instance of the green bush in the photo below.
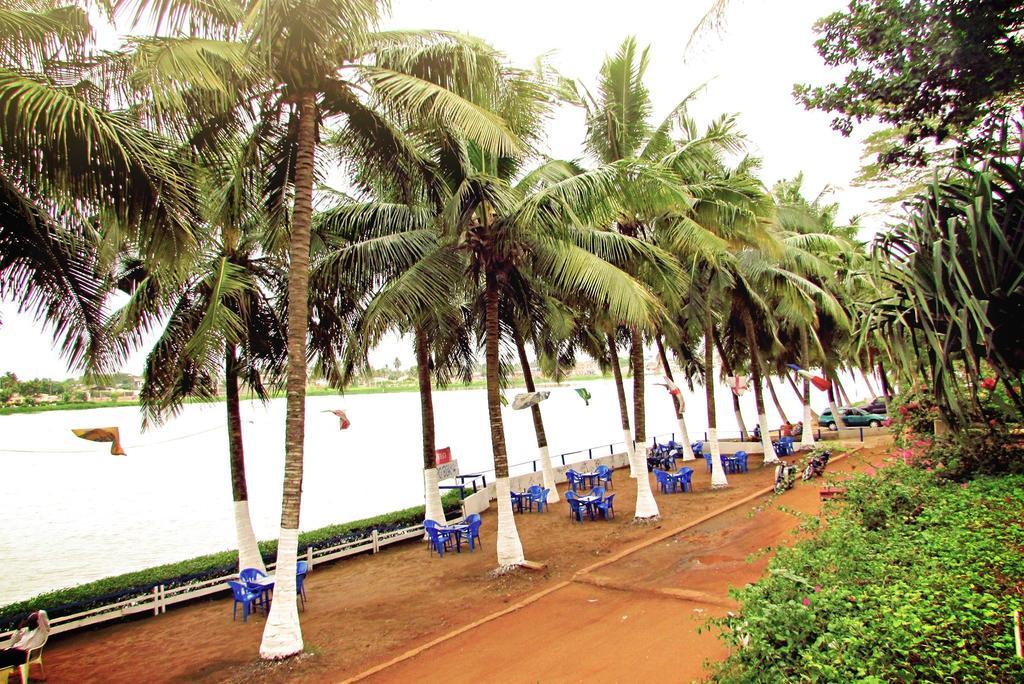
(112, 589)
(912, 579)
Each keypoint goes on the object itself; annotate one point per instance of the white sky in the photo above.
(750, 68)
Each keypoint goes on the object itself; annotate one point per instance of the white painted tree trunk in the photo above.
(628, 439)
(282, 636)
(807, 438)
(646, 506)
(766, 440)
(718, 479)
(685, 437)
(432, 497)
(510, 549)
(549, 475)
(248, 550)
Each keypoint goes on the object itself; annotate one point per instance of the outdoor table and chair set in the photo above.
(255, 589)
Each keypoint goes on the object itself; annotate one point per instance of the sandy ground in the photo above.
(615, 622)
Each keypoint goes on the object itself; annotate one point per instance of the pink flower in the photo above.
(963, 485)
(989, 384)
(806, 601)
(817, 588)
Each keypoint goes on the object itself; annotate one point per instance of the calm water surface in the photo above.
(74, 513)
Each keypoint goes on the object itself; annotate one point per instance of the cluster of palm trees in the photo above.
(186, 171)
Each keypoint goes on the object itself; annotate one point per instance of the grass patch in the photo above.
(141, 582)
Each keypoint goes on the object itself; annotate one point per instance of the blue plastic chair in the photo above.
(598, 492)
(707, 457)
(698, 448)
(573, 478)
(249, 577)
(576, 507)
(606, 506)
(301, 569)
(685, 479)
(245, 597)
(472, 535)
(439, 541)
(741, 461)
(662, 477)
(604, 475)
(540, 497)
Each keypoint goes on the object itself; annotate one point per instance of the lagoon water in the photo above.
(73, 513)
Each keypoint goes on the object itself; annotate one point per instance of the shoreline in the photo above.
(310, 392)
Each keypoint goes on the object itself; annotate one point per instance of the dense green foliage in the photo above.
(141, 582)
(912, 579)
(932, 68)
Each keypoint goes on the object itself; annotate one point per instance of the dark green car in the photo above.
(852, 417)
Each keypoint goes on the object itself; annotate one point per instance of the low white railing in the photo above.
(160, 596)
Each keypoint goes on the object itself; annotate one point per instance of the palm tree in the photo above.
(292, 66)
(220, 318)
(69, 164)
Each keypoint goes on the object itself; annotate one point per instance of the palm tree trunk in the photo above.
(744, 435)
(627, 436)
(282, 636)
(677, 403)
(510, 548)
(807, 436)
(775, 398)
(796, 390)
(867, 382)
(884, 379)
(646, 506)
(836, 415)
(755, 372)
(433, 508)
(547, 471)
(842, 391)
(249, 555)
(718, 478)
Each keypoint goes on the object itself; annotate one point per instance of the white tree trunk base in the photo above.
(510, 548)
(646, 506)
(282, 635)
(549, 475)
(433, 508)
(248, 550)
(718, 479)
(807, 437)
(770, 457)
(684, 436)
(631, 451)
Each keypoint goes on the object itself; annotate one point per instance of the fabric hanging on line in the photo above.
(107, 434)
(342, 418)
(816, 380)
(739, 384)
(527, 399)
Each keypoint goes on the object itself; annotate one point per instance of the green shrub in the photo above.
(912, 579)
(112, 589)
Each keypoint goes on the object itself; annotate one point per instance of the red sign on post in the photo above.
(443, 455)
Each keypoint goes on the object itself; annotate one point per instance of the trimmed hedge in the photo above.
(912, 579)
(141, 582)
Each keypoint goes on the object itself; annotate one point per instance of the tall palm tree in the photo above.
(220, 319)
(292, 66)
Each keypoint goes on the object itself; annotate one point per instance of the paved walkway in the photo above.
(634, 616)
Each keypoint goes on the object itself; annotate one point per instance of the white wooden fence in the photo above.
(161, 596)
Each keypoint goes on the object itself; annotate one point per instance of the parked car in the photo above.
(878, 406)
(853, 417)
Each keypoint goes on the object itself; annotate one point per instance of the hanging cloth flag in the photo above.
(739, 384)
(674, 390)
(584, 395)
(442, 456)
(110, 434)
(818, 381)
(529, 399)
(343, 419)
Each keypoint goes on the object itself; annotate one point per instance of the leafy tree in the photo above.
(932, 68)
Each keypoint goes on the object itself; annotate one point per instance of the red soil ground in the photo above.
(634, 617)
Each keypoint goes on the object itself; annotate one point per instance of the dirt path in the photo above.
(366, 610)
(635, 618)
